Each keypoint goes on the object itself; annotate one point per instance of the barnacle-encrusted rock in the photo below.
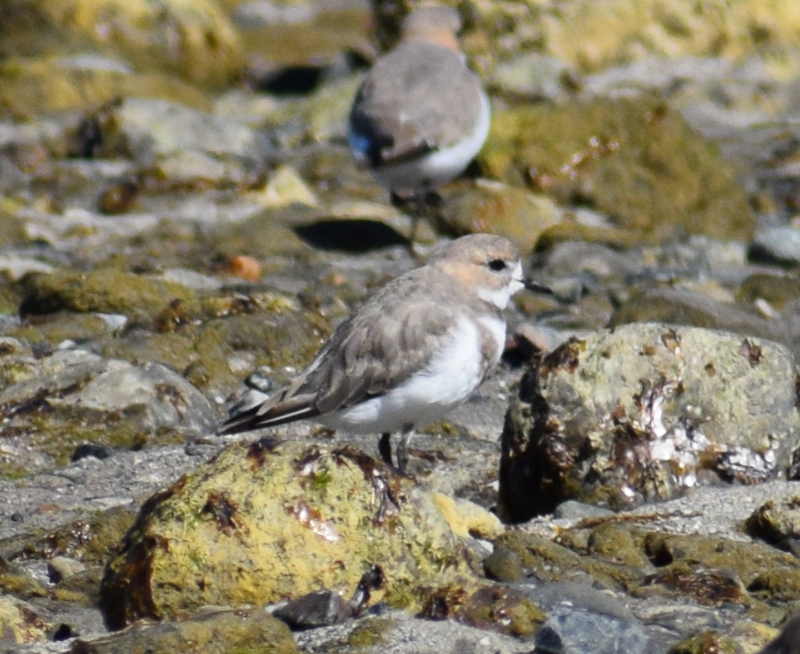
(643, 411)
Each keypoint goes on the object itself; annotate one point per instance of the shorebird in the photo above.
(420, 115)
(413, 351)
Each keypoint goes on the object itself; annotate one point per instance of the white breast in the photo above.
(452, 374)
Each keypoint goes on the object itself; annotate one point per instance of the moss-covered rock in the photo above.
(494, 208)
(251, 631)
(191, 38)
(88, 540)
(273, 520)
(16, 581)
(778, 290)
(138, 297)
(33, 87)
(72, 397)
(633, 159)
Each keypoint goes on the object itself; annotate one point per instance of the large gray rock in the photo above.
(644, 411)
(72, 397)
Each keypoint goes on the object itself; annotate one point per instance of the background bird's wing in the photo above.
(399, 131)
(383, 344)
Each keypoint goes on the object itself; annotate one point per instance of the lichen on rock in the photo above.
(272, 520)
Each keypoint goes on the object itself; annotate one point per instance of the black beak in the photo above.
(536, 286)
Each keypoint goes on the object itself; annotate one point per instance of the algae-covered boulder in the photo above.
(644, 411)
(35, 86)
(271, 520)
(634, 159)
(192, 38)
(515, 213)
(211, 632)
(589, 35)
(105, 291)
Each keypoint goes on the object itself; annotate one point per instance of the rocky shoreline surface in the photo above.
(179, 212)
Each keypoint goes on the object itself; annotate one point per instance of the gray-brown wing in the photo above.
(379, 352)
(435, 91)
(379, 347)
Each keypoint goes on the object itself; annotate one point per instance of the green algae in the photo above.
(633, 159)
(138, 297)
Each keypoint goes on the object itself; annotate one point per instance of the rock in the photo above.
(582, 619)
(649, 170)
(326, 607)
(35, 87)
(532, 76)
(283, 187)
(61, 567)
(715, 571)
(402, 634)
(212, 631)
(320, 609)
(643, 412)
(496, 208)
(707, 642)
(81, 588)
(688, 307)
(84, 542)
(20, 623)
(156, 128)
(272, 520)
(503, 565)
(105, 291)
(777, 523)
(193, 40)
(693, 570)
(572, 510)
(74, 397)
(18, 267)
(250, 330)
(778, 245)
(778, 290)
(190, 167)
(17, 581)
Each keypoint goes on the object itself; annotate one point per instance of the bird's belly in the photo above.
(448, 380)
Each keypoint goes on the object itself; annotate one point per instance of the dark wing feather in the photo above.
(259, 416)
(379, 347)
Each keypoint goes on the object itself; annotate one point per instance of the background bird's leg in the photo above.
(403, 446)
(385, 448)
(425, 204)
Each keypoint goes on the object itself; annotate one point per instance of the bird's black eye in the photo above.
(497, 265)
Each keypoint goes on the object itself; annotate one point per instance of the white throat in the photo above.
(500, 297)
